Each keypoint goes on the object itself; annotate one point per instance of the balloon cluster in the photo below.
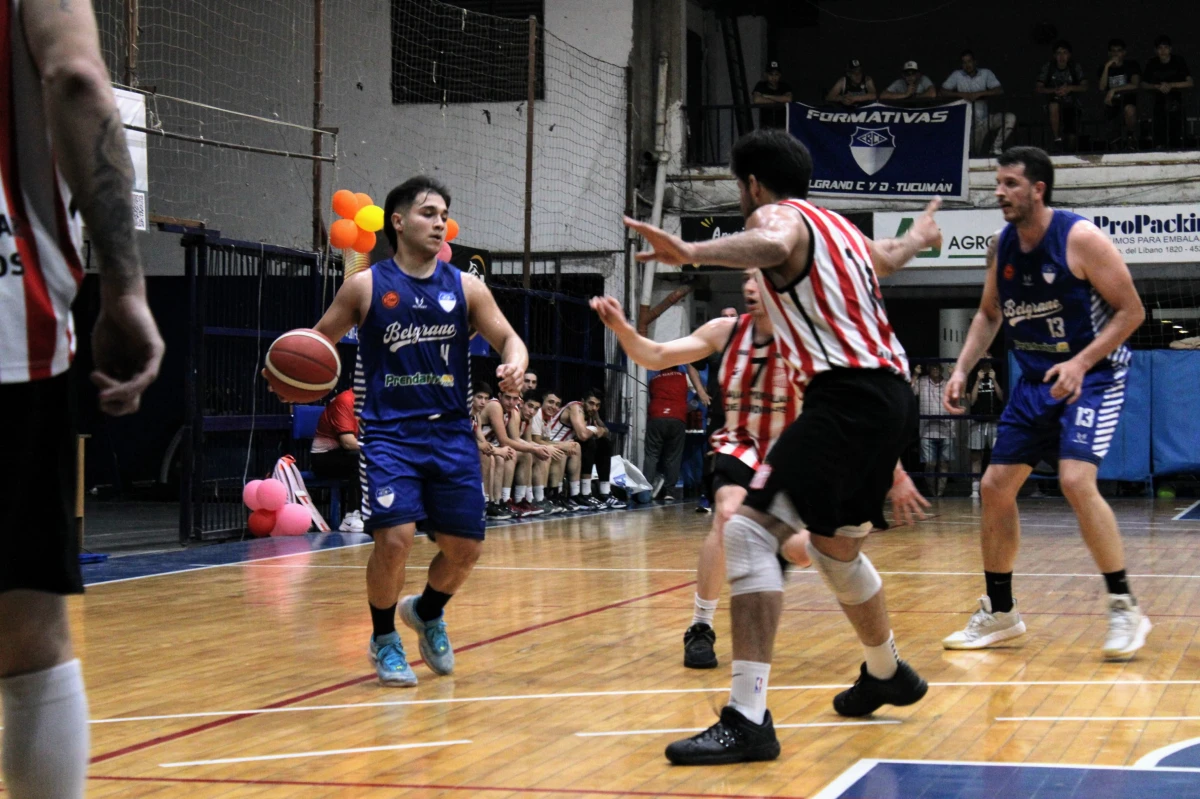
(360, 220)
(271, 513)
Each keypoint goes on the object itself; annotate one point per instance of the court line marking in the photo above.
(1152, 759)
(229, 719)
(434, 787)
(294, 755)
(842, 782)
(1097, 718)
(223, 565)
(1186, 511)
(598, 694)
(777, 726)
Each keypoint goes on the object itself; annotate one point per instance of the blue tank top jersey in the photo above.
(414, 344)
(1049, 314)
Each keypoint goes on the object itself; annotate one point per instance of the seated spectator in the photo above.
(530, 381)
(1118, 82)
(550, 428)
(502, 428)
(335, 452)
(771, 91)
(529, 484)
(853, 88)
(1061, 79)
(1166, 75)
(973, 83)
(912, 85)
(666, 427)
(494, 459)
(595, 449)
(986, 398)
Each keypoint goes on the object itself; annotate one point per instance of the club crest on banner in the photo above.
(872, 148)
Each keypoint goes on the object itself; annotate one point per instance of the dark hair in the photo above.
(404, 195)
(481, 387)
(532, 395)
(598, 393)
(778, 160)
(1063, 43)
(1116, 42)
(967, 52)
(1038, 167)
(549, 392)
(1163, 39)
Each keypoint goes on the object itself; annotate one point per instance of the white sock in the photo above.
(604, 488)
(882, 660)
(521, 491)
(505, 494)
(704, 611)
(45, 733)
(574, 488)
(748, 695)
(585, 487)
(539, 493)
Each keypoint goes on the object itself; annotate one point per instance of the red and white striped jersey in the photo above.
(558, 427)
(760, 393)
(489, 432)
(40, 269)
(832, 315)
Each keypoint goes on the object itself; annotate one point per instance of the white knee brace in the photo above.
(750, 563)
(852, 583)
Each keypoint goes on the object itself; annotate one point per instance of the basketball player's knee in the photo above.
(392, 544)
(750, 563)
(852, 582)
(1076, 485)
(994, 490)
(464, 553)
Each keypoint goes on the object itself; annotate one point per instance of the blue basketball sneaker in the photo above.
(435, 645)
(391, 664)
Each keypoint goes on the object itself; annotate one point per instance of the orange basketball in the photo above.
(302, 366)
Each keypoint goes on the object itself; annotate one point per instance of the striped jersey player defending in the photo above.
(760, 397)
(832, 468)
(1067, 303)
(63, 159)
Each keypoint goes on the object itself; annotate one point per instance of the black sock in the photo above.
(999, 590)
(383, 620)
(430, 603)
(1116, 582)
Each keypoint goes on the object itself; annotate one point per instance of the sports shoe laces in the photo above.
(720, 733)
(1122, 620)
(435, 634)
(392, 657)
(979, 620)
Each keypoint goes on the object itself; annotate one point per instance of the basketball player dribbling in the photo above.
(831, 469)
(414, 315)
(63, 157)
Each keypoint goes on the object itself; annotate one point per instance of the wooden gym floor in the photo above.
(251, 679)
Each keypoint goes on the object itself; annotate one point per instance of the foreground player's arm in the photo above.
(91, 153)
(889, 256)
(349, 307)
(487, 318)
(982, 332)
(704, 341)
(1103, 267)
(772, 233)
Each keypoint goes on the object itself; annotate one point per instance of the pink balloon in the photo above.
(293, 519)
(445, 254)
(272, 494)
(250, 495)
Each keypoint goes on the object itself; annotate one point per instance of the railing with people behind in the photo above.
(1089, 126)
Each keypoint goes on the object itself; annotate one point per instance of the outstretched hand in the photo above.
(511, 377)
(609, 311)
(664, 247)
(925, 230)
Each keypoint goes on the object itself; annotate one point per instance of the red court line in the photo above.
(209, 725)
(436, 787)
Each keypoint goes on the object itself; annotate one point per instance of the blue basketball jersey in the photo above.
(1049, 314)
(413, 345)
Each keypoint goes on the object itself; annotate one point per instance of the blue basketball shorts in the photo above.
(425, 469)
(1034, 426)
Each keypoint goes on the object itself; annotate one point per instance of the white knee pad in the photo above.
(852, 583)
(750, 563)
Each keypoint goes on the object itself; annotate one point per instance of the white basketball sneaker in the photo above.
(352, 522)
(986, 628)
(1127, 627)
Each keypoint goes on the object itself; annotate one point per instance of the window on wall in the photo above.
(470, 52)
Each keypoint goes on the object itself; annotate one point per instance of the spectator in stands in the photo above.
(986, 398)
(1119, 78)
(530, 382)
(974, 83)
(912, 85)
(771, 91)
(937, 435)
(534, 493)
(595, 445)
(549, 427)
(335, 452)
(1166, 75)
(853, 88)
(1062, 80)
(666, 428)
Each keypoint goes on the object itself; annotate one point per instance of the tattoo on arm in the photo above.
(107, 207)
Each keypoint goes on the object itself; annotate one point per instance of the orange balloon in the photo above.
(451, 230)
(345, 204)
(365, 242)
(363, 201)
(343, 233)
